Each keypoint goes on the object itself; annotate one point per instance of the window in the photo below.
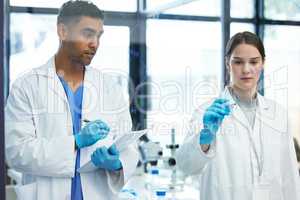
(240, 27)
(111, 5)
(282, 9)
(198, 7)
(242, 9)
(184, 67)
(282, 69)
(113, 53)
(32, 47)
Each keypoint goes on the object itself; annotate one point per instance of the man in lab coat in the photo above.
(46, 137)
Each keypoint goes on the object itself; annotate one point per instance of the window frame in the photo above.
(138, 64)
(137, 25)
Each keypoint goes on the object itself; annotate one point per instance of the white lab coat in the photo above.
(39, 140)
(229, 170)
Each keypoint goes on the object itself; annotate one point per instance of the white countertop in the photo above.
(138, 184)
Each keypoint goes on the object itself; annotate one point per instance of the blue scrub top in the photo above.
(75, 104)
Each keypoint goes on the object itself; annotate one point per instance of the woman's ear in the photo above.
(263, 63)
(228, 70)
(227, 64)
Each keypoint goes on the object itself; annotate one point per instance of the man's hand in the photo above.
(91, 133)
(107, 159)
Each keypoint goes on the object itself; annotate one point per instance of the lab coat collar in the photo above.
(235, 110)
(48, 69)
(90, 83)
(261, 100)
(239, 114)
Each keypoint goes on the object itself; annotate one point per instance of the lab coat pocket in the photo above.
(26, 192)
(231, 170)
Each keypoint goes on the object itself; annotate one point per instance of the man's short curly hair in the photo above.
(73, 10)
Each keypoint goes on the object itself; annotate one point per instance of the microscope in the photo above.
(170, 162)
(152, 156)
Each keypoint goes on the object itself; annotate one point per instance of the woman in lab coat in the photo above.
(240, 144)
(43, 119)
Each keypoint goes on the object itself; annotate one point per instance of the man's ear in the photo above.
(62, 31)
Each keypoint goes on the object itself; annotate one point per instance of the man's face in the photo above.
(82, 39)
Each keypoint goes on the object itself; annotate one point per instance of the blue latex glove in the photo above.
(107, 158)
(91, 133)
(212, 120)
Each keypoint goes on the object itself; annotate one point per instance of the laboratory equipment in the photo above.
(156, 187)
(151, 152)
(160, 195)
(128, 194)
(175, 183)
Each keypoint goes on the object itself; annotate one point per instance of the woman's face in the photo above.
(245, 65)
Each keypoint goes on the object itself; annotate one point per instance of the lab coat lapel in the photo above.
(258, 133)
(241, 118)
(262, 109)
(236, 111)
(92, 94)
(57, 99)
(267, 115)
(261, 116)
(91, 101)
